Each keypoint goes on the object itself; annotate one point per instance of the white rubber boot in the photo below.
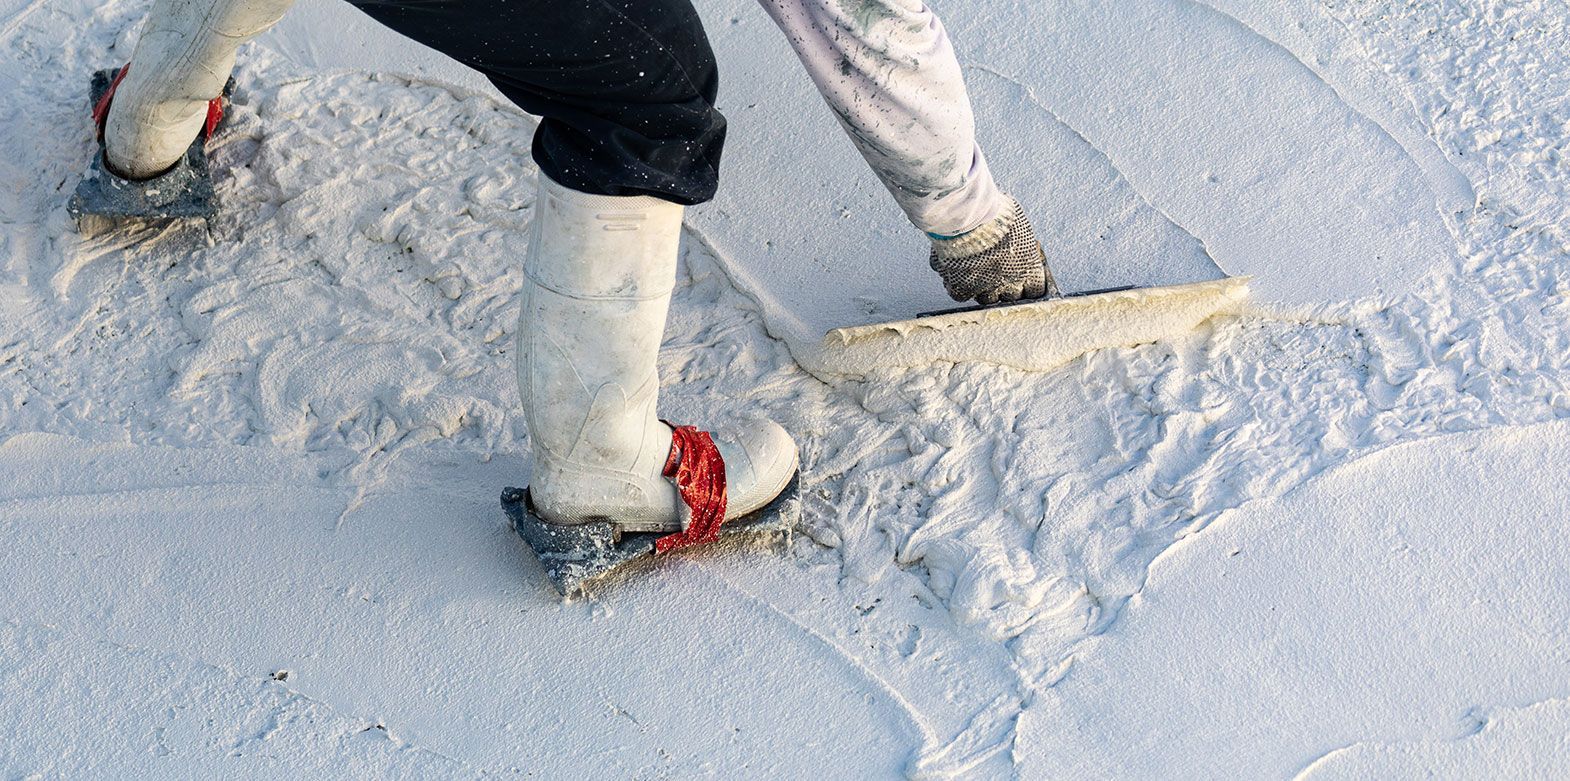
(598, 282)
(182, 60)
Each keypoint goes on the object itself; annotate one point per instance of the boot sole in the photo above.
(575, 554)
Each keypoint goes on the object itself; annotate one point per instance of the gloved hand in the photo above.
(997, 262)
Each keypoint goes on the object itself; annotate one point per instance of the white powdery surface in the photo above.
(1529, 742)
(280, 447)
(208, 614)
(1393, 600)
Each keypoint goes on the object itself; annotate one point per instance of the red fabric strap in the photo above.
(101, 108)
(215, 114)
(699, 472)
(215, 107)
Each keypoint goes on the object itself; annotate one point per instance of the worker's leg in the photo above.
(888, 71)
(181, 62)
(629, 133)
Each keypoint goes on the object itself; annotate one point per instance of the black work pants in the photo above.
(625, 88)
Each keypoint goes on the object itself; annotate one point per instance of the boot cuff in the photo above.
(982, 238)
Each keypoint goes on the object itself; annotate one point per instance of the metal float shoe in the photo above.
(576, 554)
(183, 192)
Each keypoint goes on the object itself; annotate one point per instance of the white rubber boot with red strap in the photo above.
(610, 480)
(181, 62)
(155, 114)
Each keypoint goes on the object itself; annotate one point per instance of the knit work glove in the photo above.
(997, 262)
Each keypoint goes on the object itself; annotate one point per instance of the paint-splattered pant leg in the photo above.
(889, 72)
(625, 88)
